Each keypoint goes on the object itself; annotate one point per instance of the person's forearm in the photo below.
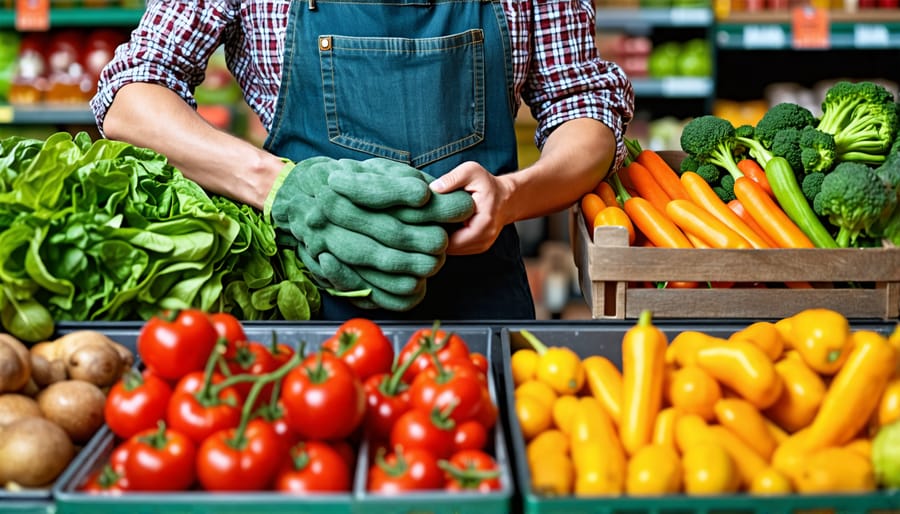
(576, 156)
(154, 117)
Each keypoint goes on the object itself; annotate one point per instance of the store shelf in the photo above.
(645, 18)
(82, 17)
(46, 115)
(674, 87)
(871, 29)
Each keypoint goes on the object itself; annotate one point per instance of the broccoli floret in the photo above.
(852, 198)
(889, 170)
(862, 117)
(711, 139)
(781, 116)
(811, 185)
(817, 150)
(688, 163)
(786, 143)
(710, 172)
(726, 185)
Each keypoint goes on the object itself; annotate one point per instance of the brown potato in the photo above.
(33, 452)
(15, 406)
(76, 406)
(88, 355)
(15, 364)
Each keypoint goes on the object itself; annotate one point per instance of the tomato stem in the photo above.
(394, 383)
(259, 381)
(156, 440)
(469, 477)
(398, 468)
(132, 379)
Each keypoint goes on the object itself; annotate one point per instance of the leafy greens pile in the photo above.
(104, 230)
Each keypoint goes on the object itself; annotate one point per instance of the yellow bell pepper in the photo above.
(763, 334)
(643, 366)
(855, 391)
(558, 366)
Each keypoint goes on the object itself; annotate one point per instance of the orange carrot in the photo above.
(694, 219)
(591, 205)
(607, 194)
(696, 241)
(702, 194)
(738, 208)
(652, 222)
(647, 187)
(769, 215)
(625, 178)
(616, 217)
(665, 176)
(753, 170)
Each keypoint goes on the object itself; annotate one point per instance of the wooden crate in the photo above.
(606, 266)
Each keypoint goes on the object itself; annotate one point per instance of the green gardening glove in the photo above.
(379, 183)
(452, 207)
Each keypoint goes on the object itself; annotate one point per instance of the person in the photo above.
(432, 83)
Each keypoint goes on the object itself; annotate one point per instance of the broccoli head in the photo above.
(711, 139)
(781, 116)
(710, 172)
(817, 150)
(786, 143)
(725, 189)
(863, 118)
(811, 185)
(852, 198)
(688, 163)
(889, 170)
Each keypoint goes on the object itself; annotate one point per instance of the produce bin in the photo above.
(69, 500)
(40, 500)
(605, 339)
(608, 269)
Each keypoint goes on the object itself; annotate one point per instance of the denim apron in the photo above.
(423, 82)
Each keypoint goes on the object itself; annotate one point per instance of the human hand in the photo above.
(489, 193)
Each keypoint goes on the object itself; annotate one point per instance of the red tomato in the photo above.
(120, 454)
(323, 398)
(405, 469)
(197, 411)
(249, 463)
(469, 470)
(480, 361)
(487, 416)
(281, 352)
(313, 466)
(252, 358)
(135, 403)
(104, 481)
(177, 342)
(160, 459)
(453, 389)
(386, 400)
(363, 345)
(428, 430)
(470, 435)
(273, 414)
(228, 327)
(444, 345)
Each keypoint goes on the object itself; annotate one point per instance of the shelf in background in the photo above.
(866, 29)
(46, 115)
(644, 18)
(82, 17)
(674, 87)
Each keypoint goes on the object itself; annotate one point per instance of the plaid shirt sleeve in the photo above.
(170, 46)
(565, 77)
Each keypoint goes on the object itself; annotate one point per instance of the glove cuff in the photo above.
(279, 180)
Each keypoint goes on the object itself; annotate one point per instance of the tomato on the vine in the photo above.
(313, 466)
(176, 343)
(362, 344)
(229, 327)
(136, 402)
(470, 435)
(200, 407)
(429, 430)
(105, 481)
(323, 398)
(160, 459)
(404, 469)
(453, 389)
(232, 461)
(251, 358)
(480, 361)
(387, 399)
(472, 470)
(426, 341)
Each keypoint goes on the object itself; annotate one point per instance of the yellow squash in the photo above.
(745, 420)
(605, 382)
(763, 334)
(643, 367)
(743, 368)
(801, 395)
(855, 391)
(820, 336)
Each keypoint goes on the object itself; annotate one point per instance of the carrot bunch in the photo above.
(668, 209)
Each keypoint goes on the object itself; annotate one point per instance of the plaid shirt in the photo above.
(562, 78)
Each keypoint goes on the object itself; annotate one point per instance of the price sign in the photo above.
(764, 36)
(32, 15)
(686, 87)
(810, 27)
(869, 35)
